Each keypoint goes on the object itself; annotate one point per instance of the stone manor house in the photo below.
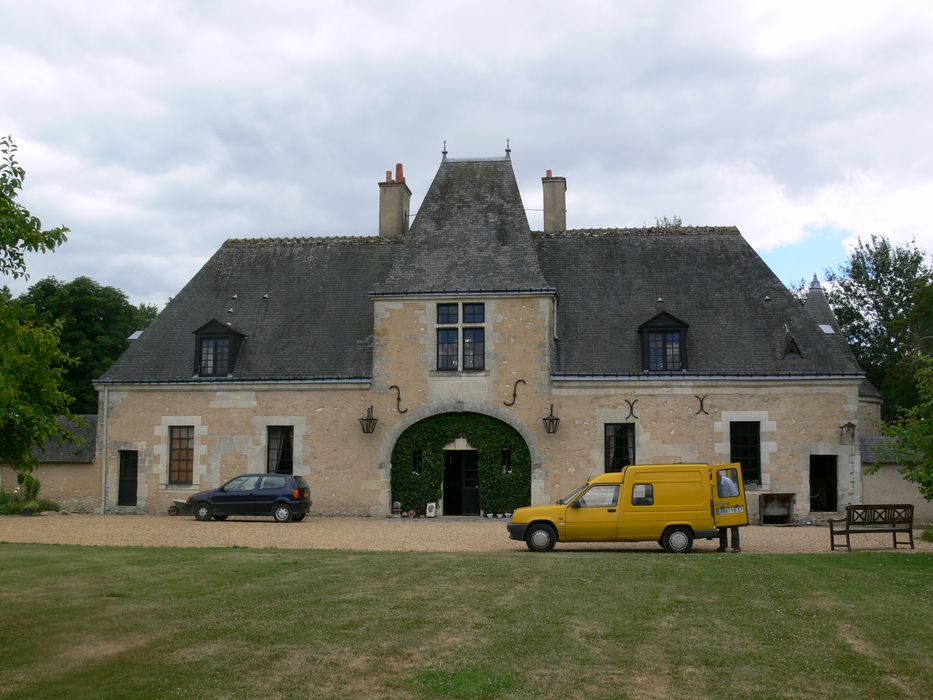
(473, 363)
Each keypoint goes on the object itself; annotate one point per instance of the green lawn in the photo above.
(94, 622)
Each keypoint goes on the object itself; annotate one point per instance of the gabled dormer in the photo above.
(216, 348)
(791, 351)
(663, 344)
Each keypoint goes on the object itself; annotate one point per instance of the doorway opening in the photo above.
(823, 483)
(461, 482)
(129, 476)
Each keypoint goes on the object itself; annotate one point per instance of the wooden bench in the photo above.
(896, 518)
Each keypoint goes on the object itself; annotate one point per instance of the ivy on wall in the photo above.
(498, 492)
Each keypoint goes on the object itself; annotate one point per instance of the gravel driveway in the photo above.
(370, 534)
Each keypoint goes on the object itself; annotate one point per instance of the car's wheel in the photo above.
(298, 517)
(173, 510)
(203, 511)
(540, 538)
(282, 513)
(220, 517)
(677, 540)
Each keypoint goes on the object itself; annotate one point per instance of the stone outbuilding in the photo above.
(68, 469)
(473, 363)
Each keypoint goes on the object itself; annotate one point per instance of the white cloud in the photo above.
(155, 130)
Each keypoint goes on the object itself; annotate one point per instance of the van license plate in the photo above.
(729, 511)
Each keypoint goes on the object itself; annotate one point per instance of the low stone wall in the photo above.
(888, 486)
(73, 486)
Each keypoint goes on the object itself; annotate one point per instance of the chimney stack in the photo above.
(555, 203)
(394, 198)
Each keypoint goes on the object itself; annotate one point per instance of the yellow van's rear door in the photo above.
(728, 494)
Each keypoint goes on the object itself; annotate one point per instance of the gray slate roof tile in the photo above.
(305, 308)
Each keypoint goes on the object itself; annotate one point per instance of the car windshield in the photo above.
(573, 494)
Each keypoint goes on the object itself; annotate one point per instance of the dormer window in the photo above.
(216, 348)
(664, 344)
(215, 357)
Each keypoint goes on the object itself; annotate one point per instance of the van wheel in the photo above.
(540, 538)
(677, 540)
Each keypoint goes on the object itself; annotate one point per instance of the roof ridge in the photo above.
(638, 231)
(311, 240)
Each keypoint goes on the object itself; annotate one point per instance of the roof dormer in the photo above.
(216, 348)
(663, 344)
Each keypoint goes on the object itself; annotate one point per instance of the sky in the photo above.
(155, 130)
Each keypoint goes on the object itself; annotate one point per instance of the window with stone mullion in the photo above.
(474, 348)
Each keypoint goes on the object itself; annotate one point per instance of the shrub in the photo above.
(927, 534)
(14, 503)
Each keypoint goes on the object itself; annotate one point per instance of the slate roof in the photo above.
(738, 312)
(305, 306)
(302, 304)
(81, 449)
(876, 449)
(471, 234)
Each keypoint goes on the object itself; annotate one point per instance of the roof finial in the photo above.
(508, 150)
(444, 152)
(815, 283)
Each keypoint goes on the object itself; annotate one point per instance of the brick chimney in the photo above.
(555, 203)
(394, 198)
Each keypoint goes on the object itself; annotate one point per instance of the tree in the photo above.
(20, 232)
(95, 322)
(31, 363)
(873, 295)
(913, 433)
(31, 369)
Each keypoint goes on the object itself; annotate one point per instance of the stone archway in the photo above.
(466, 462)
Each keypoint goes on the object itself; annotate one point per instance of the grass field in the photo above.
(94, 622)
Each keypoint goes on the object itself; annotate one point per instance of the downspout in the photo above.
(104, 450)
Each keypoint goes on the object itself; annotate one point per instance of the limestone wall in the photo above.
(888, 486)
(349, 472)
(73, 486)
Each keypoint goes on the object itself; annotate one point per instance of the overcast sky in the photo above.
(155, 130)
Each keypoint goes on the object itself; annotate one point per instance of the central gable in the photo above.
(470, 235)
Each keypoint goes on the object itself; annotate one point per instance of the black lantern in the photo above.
(551, 421)
(368, 424)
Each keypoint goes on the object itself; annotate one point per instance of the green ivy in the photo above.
(498, 492)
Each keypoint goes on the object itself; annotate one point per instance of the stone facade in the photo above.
(349, 471)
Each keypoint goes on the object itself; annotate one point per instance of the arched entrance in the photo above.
(468, 463)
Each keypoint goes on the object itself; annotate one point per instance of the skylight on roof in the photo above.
(827, 329)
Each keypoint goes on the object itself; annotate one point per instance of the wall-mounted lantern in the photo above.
(551, 422)
(368, 424)
(847, 433)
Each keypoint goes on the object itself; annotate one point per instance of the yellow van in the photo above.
(670, 503)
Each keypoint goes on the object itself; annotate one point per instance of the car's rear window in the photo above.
(272, 482)
(302, 484)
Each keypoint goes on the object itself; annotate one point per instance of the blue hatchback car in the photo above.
(285, 497)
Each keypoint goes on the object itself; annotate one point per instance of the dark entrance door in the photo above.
(461, 483)
(823, 483)
(129, 461)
